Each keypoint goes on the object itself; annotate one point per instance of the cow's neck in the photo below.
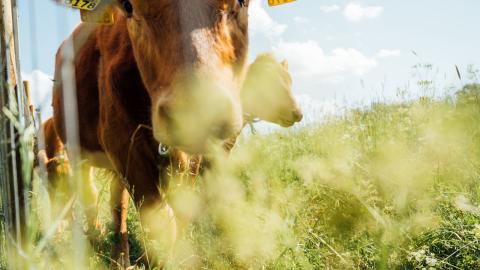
(126, 80)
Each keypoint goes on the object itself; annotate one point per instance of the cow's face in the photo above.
(267, 92)
(191, 56)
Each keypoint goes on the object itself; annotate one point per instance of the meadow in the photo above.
(389, 186)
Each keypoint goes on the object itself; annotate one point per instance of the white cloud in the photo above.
(384, 53)
(355, 12)
(308, 59)
(329, 9)
(41, 86)
(261, 23)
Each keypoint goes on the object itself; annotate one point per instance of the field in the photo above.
(391, 186)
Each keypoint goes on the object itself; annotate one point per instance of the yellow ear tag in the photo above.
(101, 16)
(279, 2)
(82, 4)
(93, 11)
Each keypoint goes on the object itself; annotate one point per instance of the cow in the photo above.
(175, 66)
(266, 95)
(274, 82)
(53, 157)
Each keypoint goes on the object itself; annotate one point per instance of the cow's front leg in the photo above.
(147, 178)
(159, 224)
(136, 159)
(119, 198)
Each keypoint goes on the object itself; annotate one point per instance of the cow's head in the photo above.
(191, 56)
(267, 92)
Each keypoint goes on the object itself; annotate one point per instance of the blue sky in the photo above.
(352, 52)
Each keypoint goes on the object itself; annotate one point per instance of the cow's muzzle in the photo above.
(196, 112)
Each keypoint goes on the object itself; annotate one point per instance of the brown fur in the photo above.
(53, 157)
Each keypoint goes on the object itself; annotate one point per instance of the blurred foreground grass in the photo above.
(388, 187)
(392, 186)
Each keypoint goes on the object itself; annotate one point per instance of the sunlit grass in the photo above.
(363, 191)
(385, 187)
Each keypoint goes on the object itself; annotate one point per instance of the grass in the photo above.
(392, 186)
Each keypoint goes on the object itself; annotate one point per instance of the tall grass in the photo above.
(385, 187)
(369, 190)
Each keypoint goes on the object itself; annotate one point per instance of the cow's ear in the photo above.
(127, 7)
(284, 64)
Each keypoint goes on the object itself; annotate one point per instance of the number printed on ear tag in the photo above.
(82, 4)
(279, 2)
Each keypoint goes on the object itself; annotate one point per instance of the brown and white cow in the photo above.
(174, 65)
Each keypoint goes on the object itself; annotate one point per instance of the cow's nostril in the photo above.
(164, 112)
(297, 115)
(222, 131)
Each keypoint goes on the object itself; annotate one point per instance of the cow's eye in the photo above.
(127, 7)
(242, 3)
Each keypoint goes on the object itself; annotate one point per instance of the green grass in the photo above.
(392, 186)
(369, 190)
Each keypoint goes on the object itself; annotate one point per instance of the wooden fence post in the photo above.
(13, 120)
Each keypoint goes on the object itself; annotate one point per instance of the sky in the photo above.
(340, 53)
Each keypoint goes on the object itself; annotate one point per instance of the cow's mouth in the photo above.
(193, 149)
(192, 117)
(290, 121)
(188, 144)
(286, 123)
